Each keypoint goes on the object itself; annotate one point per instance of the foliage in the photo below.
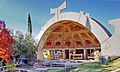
(24, 45)
(98, 67)
(10, 66)
(6, 40)
(28, 44)
(29, 24)
(55, 70)
(89, 67)
(115, 64)
(17, 46)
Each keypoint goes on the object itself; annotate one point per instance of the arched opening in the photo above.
(69, 40)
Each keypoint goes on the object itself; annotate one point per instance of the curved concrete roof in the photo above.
(94, 26)
(105, 29)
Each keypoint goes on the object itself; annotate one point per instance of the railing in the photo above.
(77, 56)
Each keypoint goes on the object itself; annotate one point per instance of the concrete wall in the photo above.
(111, 47)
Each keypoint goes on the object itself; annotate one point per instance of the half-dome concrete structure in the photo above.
(71, 32)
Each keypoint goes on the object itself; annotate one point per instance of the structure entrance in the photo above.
(70, 39)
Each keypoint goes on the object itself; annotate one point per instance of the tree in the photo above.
(29, 25)
(28, 43)
(17, 46)
(6, 40)
(24, 45)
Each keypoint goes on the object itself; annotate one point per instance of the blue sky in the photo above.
(14, 12)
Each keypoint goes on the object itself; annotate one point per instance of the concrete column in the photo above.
(40, 55)
(85, 54)
(52, 54)
(70, 54)
(63, 54)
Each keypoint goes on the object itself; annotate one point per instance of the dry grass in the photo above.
(98, 67)
(93, 67)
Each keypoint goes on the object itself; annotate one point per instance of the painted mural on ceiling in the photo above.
(69, 34)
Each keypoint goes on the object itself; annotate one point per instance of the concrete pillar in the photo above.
(40, 55)
(70, 54)
(52, 54)
(85, 54)
(63, 54)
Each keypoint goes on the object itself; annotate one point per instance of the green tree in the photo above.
(17, 46)
(29, 45)
(24, 45)
(29, 25)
